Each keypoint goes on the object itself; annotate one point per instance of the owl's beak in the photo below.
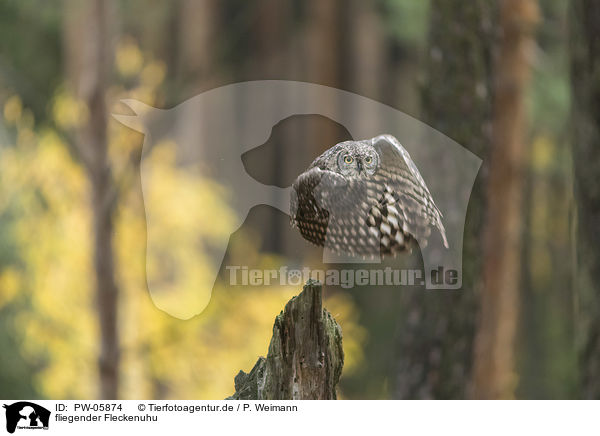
(359, 165)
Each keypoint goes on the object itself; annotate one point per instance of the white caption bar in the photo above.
(290, 418)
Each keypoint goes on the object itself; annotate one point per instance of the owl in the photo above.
(365, 198)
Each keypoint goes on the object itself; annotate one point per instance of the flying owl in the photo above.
(365, 198)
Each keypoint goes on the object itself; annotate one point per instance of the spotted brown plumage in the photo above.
(365, 198)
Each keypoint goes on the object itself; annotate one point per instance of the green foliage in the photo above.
(549, 95)
(406, 20)
(31, 62)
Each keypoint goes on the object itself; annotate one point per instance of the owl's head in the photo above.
(357, 159)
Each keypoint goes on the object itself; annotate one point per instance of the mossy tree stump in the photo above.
(305, 357)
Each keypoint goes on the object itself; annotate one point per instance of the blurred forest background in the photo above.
(517, 82)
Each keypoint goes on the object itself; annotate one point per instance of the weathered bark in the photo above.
(494, 366)
(435, 339)
(305, 357)
(585, 85)
(89, 76)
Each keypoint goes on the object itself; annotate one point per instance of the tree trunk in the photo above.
(585, 87)
(435, 341)
(305, 357)
(91, 45)
(324, 58)
(494, 372)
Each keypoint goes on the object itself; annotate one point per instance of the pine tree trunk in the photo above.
(494, 366)
(436, 338)
(585, 86)
(88, 42)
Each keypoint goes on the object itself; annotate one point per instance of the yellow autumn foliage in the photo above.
(46, 191)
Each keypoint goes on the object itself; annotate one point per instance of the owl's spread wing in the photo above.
(405, 203)
(324, 201)
(306, 214)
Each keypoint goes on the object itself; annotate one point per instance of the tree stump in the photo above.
(305, 356)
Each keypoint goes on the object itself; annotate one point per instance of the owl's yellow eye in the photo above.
(368, 159)
(348, 159)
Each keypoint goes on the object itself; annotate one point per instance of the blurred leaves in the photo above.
(45, 191)
(406, 20)
(68, 112)
(48, 330)
(12, 109)
(128, 58)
